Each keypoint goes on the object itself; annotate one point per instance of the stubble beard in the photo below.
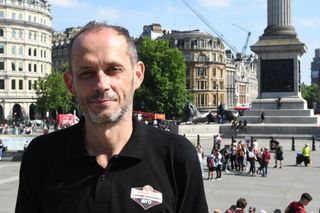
(106, 118)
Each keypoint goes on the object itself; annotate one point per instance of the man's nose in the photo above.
(103, 81)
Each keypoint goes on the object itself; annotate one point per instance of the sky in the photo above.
(232, 19)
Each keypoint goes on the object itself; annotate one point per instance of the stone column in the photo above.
(279, 12)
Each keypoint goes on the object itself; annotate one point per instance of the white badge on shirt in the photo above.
(146, 196)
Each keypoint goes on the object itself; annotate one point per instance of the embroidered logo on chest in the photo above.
(146, 196)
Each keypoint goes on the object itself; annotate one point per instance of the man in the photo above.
(108, 162)
(241, 205)
(278, 156)
(265, 158)
(306, 154)
(299, 207)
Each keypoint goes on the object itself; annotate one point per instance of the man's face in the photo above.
(305, 202)
(103, 78)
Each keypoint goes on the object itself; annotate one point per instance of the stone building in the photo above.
(205, 60)
(315, 68)
(60, 44)
(25, 55)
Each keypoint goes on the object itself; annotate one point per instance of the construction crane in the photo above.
(206, 22)
(245, 47)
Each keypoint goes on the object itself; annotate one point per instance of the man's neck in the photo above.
(105, 141)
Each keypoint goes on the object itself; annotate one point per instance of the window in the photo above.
(14, 33)
(202, 100)
(35, 36)
(29, 18)
(202, 58)
(1, 65)
(13, 84)
(30, 85)
(13, 15)
(1, 14)
(201, 72)
(1, 33)
(30, 35)
(35, 85)
(20, 66)
(20, 16)
(35, 19)
(21, 50)
(1, 48)
(1, 83)
(29, 51)
(44, 54)
(20, 34)
(13, 50)
(30, 67)
(20, 84)
(35, 68)
(13, 66)
(221, 73)
(35, 52)
(202, 85)
(214, 72)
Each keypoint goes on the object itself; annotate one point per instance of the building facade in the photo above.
(205, 60)
(315, 68)
(25, 55)
(60, 44)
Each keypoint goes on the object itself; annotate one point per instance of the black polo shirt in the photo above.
(156, 171)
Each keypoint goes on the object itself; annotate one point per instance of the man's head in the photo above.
(241, 203)
(104, 72)
(305, 198)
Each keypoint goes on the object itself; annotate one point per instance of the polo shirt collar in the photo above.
(134, 148)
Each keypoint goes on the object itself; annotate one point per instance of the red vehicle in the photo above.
(66, 119)
(149, 116)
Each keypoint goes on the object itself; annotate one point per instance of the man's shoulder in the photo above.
(50, 142)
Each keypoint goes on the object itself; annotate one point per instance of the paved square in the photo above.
(275, 191)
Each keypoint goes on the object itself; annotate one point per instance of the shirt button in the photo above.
(103, 177)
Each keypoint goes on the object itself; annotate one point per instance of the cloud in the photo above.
(308, 22)
(68, 3)
(108, 13)
(216, 3)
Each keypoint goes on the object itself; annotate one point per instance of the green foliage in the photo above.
(310, 94)
(164, 86)
(53, 94)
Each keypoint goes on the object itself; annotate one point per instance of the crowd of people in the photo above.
(238, 156)
(293, 207)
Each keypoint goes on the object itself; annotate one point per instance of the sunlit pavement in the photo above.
(268, 193)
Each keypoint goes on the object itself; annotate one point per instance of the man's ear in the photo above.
(139, 74)
(68, 80)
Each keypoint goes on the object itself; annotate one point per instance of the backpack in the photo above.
(210, 162)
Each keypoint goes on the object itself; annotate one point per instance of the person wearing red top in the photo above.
(265, 161)
(298, 206)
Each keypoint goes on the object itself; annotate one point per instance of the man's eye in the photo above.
(115, 69)
(86, 74)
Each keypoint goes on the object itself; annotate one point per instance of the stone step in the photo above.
(288, 130)
(282, 119)
(281, 112)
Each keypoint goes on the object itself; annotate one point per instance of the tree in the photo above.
(310, 94)
(53, 95)
(164, 86)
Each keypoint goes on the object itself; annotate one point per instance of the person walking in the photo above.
(299, 206)
(2, 149)
(278, 156)
(109, 161)
(265, 160)
(210, 165)
(200, 154)
(217, 163)
(251, 157)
